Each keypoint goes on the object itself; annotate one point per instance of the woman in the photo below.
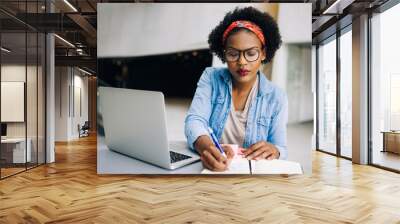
(238, 103)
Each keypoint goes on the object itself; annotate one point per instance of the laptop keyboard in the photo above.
(178, 146)
(176, 157)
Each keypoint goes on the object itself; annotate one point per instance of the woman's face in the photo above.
(241, 45)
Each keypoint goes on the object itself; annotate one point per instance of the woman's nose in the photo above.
(242, 60)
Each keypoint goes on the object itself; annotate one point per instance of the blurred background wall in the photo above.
(169, 43)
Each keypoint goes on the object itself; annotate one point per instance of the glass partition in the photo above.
(346, 94)
(41, 96)
(31, 99)
(13, 108)
(22, 78)
(327, 96)
(385, 89)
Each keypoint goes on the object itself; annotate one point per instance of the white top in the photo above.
(235, 125)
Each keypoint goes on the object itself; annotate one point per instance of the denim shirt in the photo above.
(267, 116)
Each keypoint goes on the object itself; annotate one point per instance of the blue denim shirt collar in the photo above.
(264, 84)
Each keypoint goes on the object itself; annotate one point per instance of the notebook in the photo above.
(241, 165)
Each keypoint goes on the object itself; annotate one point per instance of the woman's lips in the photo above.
(243, 72)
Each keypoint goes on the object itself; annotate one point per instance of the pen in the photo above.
(251, 170)
(214, 139)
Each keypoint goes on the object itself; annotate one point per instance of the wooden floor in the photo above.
(70, 191)
(387, 159)
(10, 171)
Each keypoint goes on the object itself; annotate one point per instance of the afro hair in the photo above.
(262, 19)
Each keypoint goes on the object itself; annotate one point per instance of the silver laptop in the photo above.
(135, 125)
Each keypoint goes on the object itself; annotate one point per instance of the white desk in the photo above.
(19, 149)
(110, 162)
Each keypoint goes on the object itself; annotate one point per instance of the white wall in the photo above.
(80, 83)
(61, 103)
(15, 72)
(12, 101)
(33, 126)
(291, 71)
(69, 79)
(128, 30)
(294, 21)
(292, 65)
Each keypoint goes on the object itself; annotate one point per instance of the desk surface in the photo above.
(110, 162)
(13, 140)
(390, 132)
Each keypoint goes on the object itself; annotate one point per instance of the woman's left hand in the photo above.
(261, 150)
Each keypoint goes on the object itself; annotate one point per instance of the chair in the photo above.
(84, 130)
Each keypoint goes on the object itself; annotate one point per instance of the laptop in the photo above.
(135, 125)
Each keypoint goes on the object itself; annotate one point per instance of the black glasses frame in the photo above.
(244, 54)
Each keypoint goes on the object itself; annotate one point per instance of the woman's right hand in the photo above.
(210, 156)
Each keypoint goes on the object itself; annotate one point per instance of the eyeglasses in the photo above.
(233, 55)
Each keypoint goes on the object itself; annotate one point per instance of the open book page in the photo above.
(276, 166)
(239, 165)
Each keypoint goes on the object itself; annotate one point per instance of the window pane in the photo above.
(346, 94)
(327, 97)
(13, 85)
(41, 98)
(385, 85)
(32, 87)
(31, 97)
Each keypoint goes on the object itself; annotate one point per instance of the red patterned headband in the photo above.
(245, 24)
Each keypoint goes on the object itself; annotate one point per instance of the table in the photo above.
(110, 162)
(13, 150)
(391, 141)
